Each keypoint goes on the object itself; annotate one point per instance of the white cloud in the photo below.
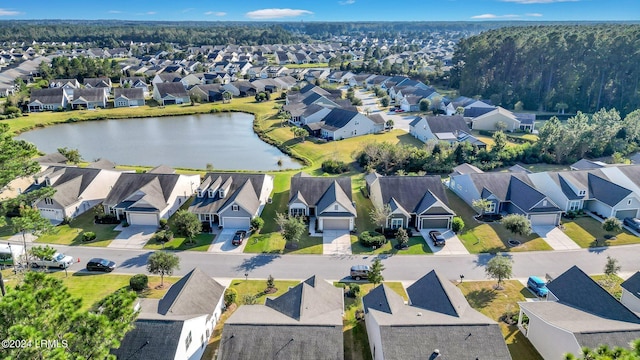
(115, 12)
(493, 16)
(5, 12)
(538, 1)
(276, 13)
(216, 13)
(151, 13)
(187, 10)
(347, 2)
(533, 14)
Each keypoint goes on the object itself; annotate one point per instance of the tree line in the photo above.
(561, 67)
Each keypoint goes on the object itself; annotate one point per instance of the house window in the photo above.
(491, 208)
(582, 192)
(199, 193)
(48, 201)
(335, 208)
(396, 223)
(629, 202)
(187, 341)
(207, 217)
(544, 202)
(296, 212)
(235, 207)
(574, 205)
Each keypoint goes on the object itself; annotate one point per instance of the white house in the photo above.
(490, 120)
(631, 292)
(342, 124)
(178, 326)
(170, 93)
(128, 97)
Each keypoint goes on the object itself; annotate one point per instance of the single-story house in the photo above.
(303, 323)
(76, 190)
(102, 83)
(48, 99)
(135, 82)
(631, 292)
(207, 92)
(451, 129)
(179, 325)
(415, 201)
(69, 84)
(127, 97)
(144, 199)
(170, 93)
(436, 323)
(89, 98)
(578, 313)
(231, 200)
(508, 193)
(327, 199)
(490, 120)
(341, 124)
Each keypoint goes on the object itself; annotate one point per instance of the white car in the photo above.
(58, 261)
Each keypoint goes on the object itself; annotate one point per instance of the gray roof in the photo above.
(525, 196)
(576, 289)
(411, 192)
(70, 182)
(151, 339)
(102, 164)
(335, 194)
(441, 124)
(377, 118)
(89, 95)
(53, 158)
(175, 89)
(313, 188)
(129, 93)
(338, 118)
(194, 294)
(606, 191)
(584, 164)
(162, 169)
(97, 82)
(156, 187)
(245, 190)
(47, 96)
(477, 111)
(431, 292)
(519, 169)
(466, 169)
(632, 284)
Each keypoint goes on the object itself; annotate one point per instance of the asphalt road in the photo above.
(397, 267)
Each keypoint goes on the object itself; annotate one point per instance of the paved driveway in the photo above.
(453, 245)
(336, 242)
(557, 239)
(370, 102)
(132, 237)
(222, 243)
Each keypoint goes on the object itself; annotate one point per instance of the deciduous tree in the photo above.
(375, 272)
(500, 268)
(162, 263)
(517, 224)
(187, 224)
(292, 227)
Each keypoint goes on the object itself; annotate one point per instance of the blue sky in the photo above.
(324, 10)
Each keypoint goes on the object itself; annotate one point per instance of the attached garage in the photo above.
(335, 224)
(544, 220)
(437, 223)
(143, 219)
(621, 214)
(236, 223)
(51, 214)
(168, 101)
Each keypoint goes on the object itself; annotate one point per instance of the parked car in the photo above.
(238, 237)
(359, 272)
(437, 238)
(99, 264)
(537, 286)
(399, 110)
(58, 261)
(633, 223)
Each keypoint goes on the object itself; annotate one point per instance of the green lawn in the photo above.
(305, 66)
(256, 288)
(585, 230)
(494, 303)
(417, 246)
(611, 283)
(489, 237)
(71, 234)
(274, 243)
(363, 208)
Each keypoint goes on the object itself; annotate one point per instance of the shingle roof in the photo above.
(47, 96)
(584, 164)
(53, 158)
(175, 89)
(150, 339)
(312, 188)
(249, 198)
(606, 191)
(432, 293)
(379, 299)
(71, 183)
(377, 118)
(410, 191)
(89, 95)
(466, 169)
(440, 124)
(130, 93)
(335, 194)
(338, 118)
(632, 284)
(130, 183)
(194, 294)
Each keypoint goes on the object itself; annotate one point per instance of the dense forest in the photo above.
(564, 68)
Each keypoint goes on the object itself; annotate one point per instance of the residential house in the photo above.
(128, 97)
(631, 293)
(48, 99)
(415, 201)
(89, 98)
(69, 84)
(341, 124)
(578, 313)
(144, 199)
(231, 200)
(329, 200)
(303, 323)
(135, 82)
(76, 190)
(411, 103)
(171, 93)
(102, 83)
(179, 325)
(166, 77)
(451, 129)
(207, 92)
(492, 120)
(340, 77)
(585, 164)
(436, 323)
(508, 193)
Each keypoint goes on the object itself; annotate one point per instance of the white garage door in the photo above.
(621, 214)
(335, 224)
(547, 219)
(236, 223)
(143, 219)
(51, 214)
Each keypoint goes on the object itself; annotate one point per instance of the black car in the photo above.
(437, 238)
(633, 223)
(238, 237)
(98, 264)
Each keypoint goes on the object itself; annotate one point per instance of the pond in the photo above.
(224, 140)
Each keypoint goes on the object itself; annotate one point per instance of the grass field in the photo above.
(611, 283)
(71, 234)
(490, 237)
(417, 246)
(586, 230)
(482, 296)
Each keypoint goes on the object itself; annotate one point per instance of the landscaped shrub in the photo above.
(139, 282)
(257, 223)
(457, 224)
(354, 290)
(106, 219)
(164, 224)
(88, 236)
(334, 167)
(163, 236)
(390, 233)
(230, 296)
(372, 238)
